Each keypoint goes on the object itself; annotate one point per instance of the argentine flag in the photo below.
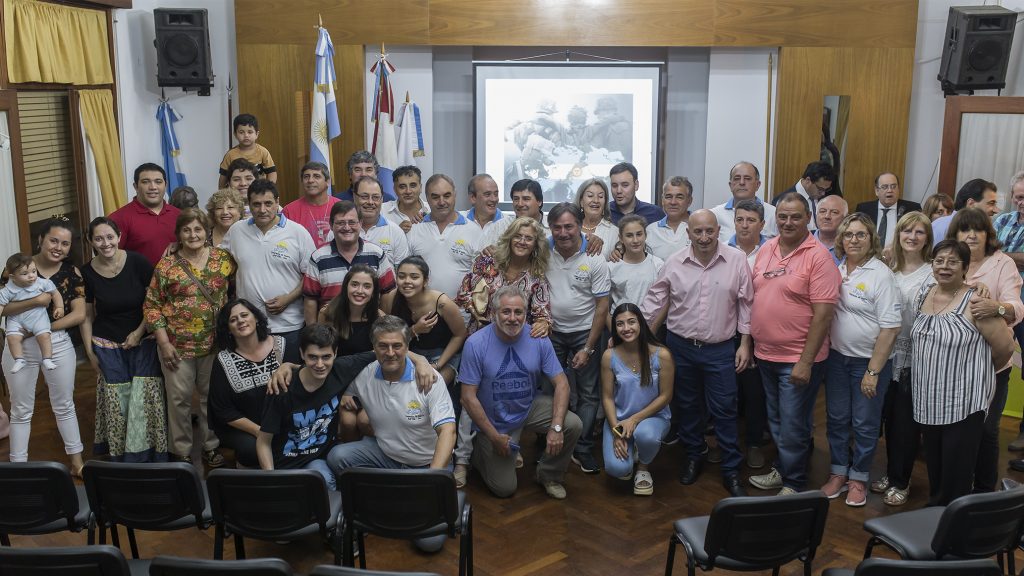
(324, 125)
(170, 147)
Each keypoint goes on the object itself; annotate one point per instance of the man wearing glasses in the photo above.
(796, 285)
(888, 209)
(815, 184)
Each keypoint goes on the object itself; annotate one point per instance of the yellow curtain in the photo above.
(56, 44)
(97, 110)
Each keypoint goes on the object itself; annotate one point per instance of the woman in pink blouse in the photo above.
(997, 271)
(189, 287)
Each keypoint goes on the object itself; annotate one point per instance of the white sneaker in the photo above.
(19, 363)
(768, 481)
(49, 364)
(786, 491)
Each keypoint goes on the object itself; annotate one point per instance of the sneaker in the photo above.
(755, 457)
(836, 485)
(1018, 444)
(586, 462)
(786, 491)
(896, 497)
(49, 364)
(768, 481)
(857, 494)
(19, 363)
(213, 458)
(881, 485)
(670, 440)
(553, 489)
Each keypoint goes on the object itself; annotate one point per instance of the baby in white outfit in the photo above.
(24, 283)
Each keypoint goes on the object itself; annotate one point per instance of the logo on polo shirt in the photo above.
(413, 411)
(582, 273)
(280, 251)
(860, 290)
(460, 248)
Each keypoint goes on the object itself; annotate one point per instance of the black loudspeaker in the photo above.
(183, 49)
(976, 51)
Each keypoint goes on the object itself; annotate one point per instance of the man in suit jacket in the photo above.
(888, 209)
(816, 183)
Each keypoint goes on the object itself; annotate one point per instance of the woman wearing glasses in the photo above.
(867, 321)
(990, 267)
(953, 362)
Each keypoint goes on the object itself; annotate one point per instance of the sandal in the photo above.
(643, 484)
(519, 460)
(896, 497)
(881, 485)
(460, 472)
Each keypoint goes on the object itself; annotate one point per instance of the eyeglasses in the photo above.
(888, 186)
(774, 273)
(947, 262)
(523, 238)
(857, 235)
(346, 223)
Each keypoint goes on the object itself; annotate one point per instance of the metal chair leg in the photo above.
(131, 542)
(871, 545)
(671, 555)
(5, 540)
(114, 538)
(362, 549)
(218, 542)
(239, 547)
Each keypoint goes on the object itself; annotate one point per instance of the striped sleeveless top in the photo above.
(951, 366)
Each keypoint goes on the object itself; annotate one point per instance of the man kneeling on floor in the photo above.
(412, 429)
(499, 370)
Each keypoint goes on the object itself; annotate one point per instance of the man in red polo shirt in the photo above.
(147, 222)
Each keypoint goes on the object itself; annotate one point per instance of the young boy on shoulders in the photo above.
(247, 130)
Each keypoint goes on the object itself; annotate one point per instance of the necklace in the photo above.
(110, 268)
(952, 301)
(198, 259)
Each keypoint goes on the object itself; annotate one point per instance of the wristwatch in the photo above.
(590, 351)
(557, 428)
(1001, 311)
(873, 372)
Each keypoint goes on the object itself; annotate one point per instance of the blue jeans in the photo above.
(320, 465)
(790, 418)
(646, 441)
(366, 453)
(586, 388)
(847, 407)
(711, 368)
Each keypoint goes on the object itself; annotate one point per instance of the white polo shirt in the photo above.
(449, 254)
(752, 257)
(270, 265)
(390, 211)
(663, 241)
(630, 282)
(609, 233)
(576, 283)
(727, 220)
(869, 300)
(388, 236)
(404, 420)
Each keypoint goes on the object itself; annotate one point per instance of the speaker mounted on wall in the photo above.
(183, 49)
(976, 51)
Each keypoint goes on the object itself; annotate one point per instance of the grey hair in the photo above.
(1016, 179)
(389, 324)
(750, 205)
(362, 157)
(679, 182)
(504, 292)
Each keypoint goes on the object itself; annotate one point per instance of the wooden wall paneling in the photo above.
(350, 67)
(546, 22)
(878, 80)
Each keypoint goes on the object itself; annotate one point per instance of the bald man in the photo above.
(702, 325)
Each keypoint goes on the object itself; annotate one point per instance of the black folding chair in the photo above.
(71, 561)
(889, 567)
(40, 498)
(972, 526)
(172, 566)
(160, 497)
(272, 505)
(746, 534)
(404, 504)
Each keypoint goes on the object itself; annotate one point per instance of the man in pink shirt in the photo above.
(706, 291)
(796, 285)
(313, 208)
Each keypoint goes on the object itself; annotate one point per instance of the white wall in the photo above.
(927, 105)
(686, 117)
(453, 117)
(203, 130)
(737, 117)
(413, 74)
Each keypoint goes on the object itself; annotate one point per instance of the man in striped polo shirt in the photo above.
(329, 264)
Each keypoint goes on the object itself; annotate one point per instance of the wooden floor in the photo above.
(600, 529)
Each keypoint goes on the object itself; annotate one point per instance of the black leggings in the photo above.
(902, 433)
(951, 451)
(986, 471)
(243, 443)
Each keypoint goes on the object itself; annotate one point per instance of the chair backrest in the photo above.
(172, 566)
(399, 503)
(328, 570)
(72, 561)
(34, 494)
(268, 503)
(144, 496)
(980, 525)
(767, 531)
(890, 567)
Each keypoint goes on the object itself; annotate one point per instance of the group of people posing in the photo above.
(356, 330)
